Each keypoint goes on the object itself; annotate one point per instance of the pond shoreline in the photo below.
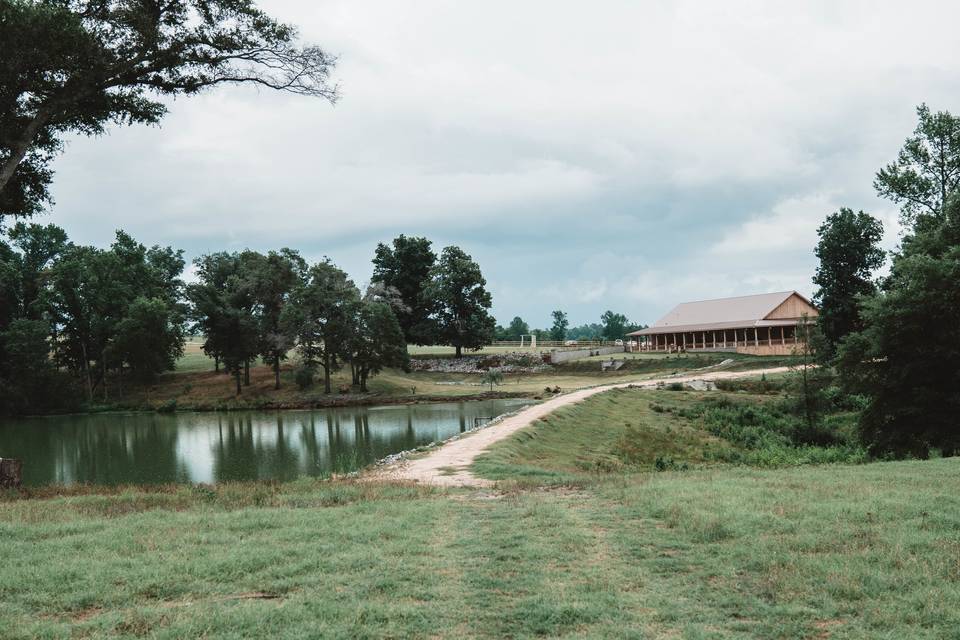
(338, 402)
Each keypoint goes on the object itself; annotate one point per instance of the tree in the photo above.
(149, 338)
(614, 325)
(73, 66)
(223, 310)
(591, 331)
(463, 302)
(927, 169)
(26, 373)
(377, 341)
(517, 328)
(321, 316)
(273, 278)
(909, 374)
(849, 254)
(492, 377)
(39, 246)
(405, 267)
(558, 331)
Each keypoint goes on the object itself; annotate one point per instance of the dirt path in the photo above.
(449, 465)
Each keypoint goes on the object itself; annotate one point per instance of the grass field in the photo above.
(867, 551)
(583, 539)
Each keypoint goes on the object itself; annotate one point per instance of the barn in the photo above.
(763, 324)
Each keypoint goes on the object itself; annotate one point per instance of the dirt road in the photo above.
(449, 465)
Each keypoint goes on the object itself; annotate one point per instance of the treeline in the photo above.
(892, 341)
(612, 326)
(78, 322)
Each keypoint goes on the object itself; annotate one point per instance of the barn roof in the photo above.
(723, 313)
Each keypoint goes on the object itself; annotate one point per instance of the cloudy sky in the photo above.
(589, 155)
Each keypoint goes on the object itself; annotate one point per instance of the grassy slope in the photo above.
(596, 435)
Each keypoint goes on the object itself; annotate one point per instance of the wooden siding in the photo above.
(768, 349)
(792, 307)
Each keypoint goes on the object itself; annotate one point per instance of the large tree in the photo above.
(927, 169)
(906, 360)
(849, 255)
(405, 267)
(459, 290)
(614, 325)
(376, 341)
(90, 292)
(273, 278)
(74, 66)
(149, 338)
(558, 331)
(321, 315)
(223, 310)
(517, 328)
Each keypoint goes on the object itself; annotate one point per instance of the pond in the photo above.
(149, 448)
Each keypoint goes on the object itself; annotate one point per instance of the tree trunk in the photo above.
(246, 373)
(237, 376)
(20, 147)
(103, 368)
(363, 381)
(326, 372)
(216, 364)
(86, 368)
(459, 351)
(276, 371)
(11, 473)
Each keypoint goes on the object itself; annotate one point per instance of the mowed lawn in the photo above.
(567, 546)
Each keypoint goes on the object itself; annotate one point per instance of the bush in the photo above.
(303, 376)
(168, 407)
(774, 434)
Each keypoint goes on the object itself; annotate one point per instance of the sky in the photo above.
(589, 156)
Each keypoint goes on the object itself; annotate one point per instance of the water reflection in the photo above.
(216, 447)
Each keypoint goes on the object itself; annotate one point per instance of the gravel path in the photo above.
(449, 465)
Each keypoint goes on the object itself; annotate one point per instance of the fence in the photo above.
(556, 344)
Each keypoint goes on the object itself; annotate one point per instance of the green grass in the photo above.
(580, 539)
(868, 551)
(634, 430)
(609, 432)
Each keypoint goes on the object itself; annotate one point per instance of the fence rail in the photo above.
(556, 343)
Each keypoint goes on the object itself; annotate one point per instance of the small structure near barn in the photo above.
(763, 324)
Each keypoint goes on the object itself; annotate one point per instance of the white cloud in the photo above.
(729, 129)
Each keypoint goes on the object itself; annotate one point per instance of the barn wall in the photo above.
(768, 349)
(792, 307)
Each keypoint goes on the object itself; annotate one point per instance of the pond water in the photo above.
(148, 448)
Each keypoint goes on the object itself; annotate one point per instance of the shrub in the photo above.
(303, 376)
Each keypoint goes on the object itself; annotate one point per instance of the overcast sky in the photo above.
(589, 155)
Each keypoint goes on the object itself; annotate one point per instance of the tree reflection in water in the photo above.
(214, 447)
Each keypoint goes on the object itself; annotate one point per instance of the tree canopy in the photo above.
(463, 302)
(75, 66)
(405, 267)
(927, 169)
(558, 331)
(849, 255)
